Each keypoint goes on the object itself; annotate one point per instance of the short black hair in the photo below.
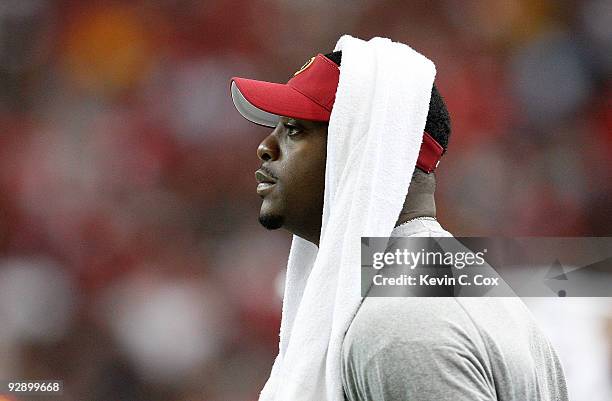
(438, 120)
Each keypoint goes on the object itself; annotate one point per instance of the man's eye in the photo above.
(292, 130)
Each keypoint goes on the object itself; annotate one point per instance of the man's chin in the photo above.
(271, 221)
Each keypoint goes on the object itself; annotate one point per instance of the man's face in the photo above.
(292, 177)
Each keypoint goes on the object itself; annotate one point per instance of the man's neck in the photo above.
(417, 205)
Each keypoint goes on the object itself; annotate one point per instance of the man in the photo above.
(395, 348)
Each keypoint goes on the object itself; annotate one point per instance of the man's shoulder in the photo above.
(492, 344)
(386, 322)
(472, 323)
(395, 346)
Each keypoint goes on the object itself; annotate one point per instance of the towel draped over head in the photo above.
(374, 136)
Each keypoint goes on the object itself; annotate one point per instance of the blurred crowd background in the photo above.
(132, 265)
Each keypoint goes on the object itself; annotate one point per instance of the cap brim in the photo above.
(264, 102)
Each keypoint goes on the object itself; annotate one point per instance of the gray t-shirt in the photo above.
(455, 349)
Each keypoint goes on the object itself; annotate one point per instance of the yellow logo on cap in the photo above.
(308, 63)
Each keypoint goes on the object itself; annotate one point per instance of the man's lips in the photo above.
(265, 182)
(262, 177)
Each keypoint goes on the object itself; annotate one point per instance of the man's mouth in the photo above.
(265, 182)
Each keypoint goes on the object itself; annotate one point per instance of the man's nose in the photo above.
(268, 149)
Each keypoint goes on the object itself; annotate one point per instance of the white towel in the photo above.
(374, 136)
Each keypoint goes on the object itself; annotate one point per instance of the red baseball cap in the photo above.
(308, 95)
